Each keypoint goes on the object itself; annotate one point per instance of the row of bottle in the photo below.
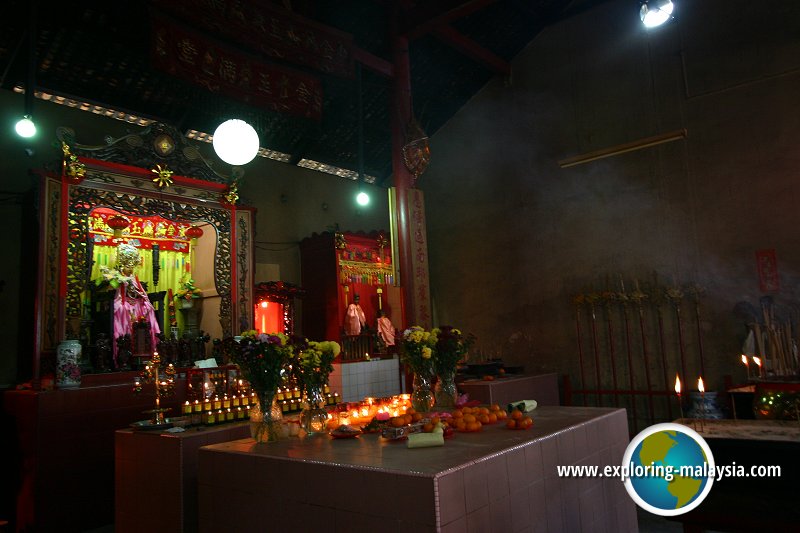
(293, 405)
(216, 403)
(213, 417)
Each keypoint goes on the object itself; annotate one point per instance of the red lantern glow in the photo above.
(194, 233)
(118, 223)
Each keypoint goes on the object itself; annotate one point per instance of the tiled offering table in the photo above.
(495, 480)
(510, 388)
(156, 476)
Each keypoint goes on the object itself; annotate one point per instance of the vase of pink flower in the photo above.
(262, 358)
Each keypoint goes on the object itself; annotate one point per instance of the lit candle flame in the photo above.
(677, 385)
(745, 361)
(700, 385)
(757, 361)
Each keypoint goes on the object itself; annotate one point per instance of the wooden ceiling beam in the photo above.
(424, 27)
(473, 50)
(373, 62)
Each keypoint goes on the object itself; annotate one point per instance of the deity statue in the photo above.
(131, 304)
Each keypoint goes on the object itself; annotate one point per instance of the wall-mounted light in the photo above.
(656, 12)
(236, 142)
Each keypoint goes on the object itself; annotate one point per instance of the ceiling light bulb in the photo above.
(25, 127)
(656, 12)
(362, 198)
(236, 142)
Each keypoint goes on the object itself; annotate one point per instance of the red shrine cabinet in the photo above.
(337, 266)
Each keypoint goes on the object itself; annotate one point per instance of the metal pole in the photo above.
(591, 300)
(609, 323)
(578, 301)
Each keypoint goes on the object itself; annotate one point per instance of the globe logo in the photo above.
(670, 469)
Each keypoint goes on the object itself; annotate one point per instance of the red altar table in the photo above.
(156, 476)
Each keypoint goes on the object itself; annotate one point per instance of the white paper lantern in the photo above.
(236, 142)
(25, 127)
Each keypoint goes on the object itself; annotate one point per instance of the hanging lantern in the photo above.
(194, 233)
(118, 223)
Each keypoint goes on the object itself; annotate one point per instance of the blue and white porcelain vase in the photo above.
(68, 373)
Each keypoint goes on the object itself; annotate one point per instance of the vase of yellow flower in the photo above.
(422, 397)
(416, 349)
(315, 365)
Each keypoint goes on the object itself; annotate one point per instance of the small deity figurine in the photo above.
(386, 330)
(354, 318)
(102, 347)
(123, 349)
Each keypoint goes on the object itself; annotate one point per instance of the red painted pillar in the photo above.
(403, 180)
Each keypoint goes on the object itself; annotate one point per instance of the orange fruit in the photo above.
(408, 418)
(427, 428)
(466, 410)
(458, 413)
(488, 378)
(483, 419)
(469, 418)
(511, 423)
(484, 410)
(435, 420)
(460, 424)
(527, 422)
(492, 418)
(495, 407)
(410, 411)
(416, 417)
(473, 426)
(397, 421)
(516, 414)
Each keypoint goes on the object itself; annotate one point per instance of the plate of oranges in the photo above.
(518, 420)
(472, 419)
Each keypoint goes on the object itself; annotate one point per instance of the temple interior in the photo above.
(573, 216)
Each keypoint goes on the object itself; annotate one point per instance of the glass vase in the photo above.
(314, 418)
(422, 399)
(265, 424)
(446, 392)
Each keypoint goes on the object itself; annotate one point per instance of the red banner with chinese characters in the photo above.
(143, 232)
(194, 57)
(768, 279)
(420, 277)
(271, 30)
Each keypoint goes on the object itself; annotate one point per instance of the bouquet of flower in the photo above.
(111, 277)
(315, 362)
(188, 290)
(451, 347)
(416, 349)
(261, 358)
